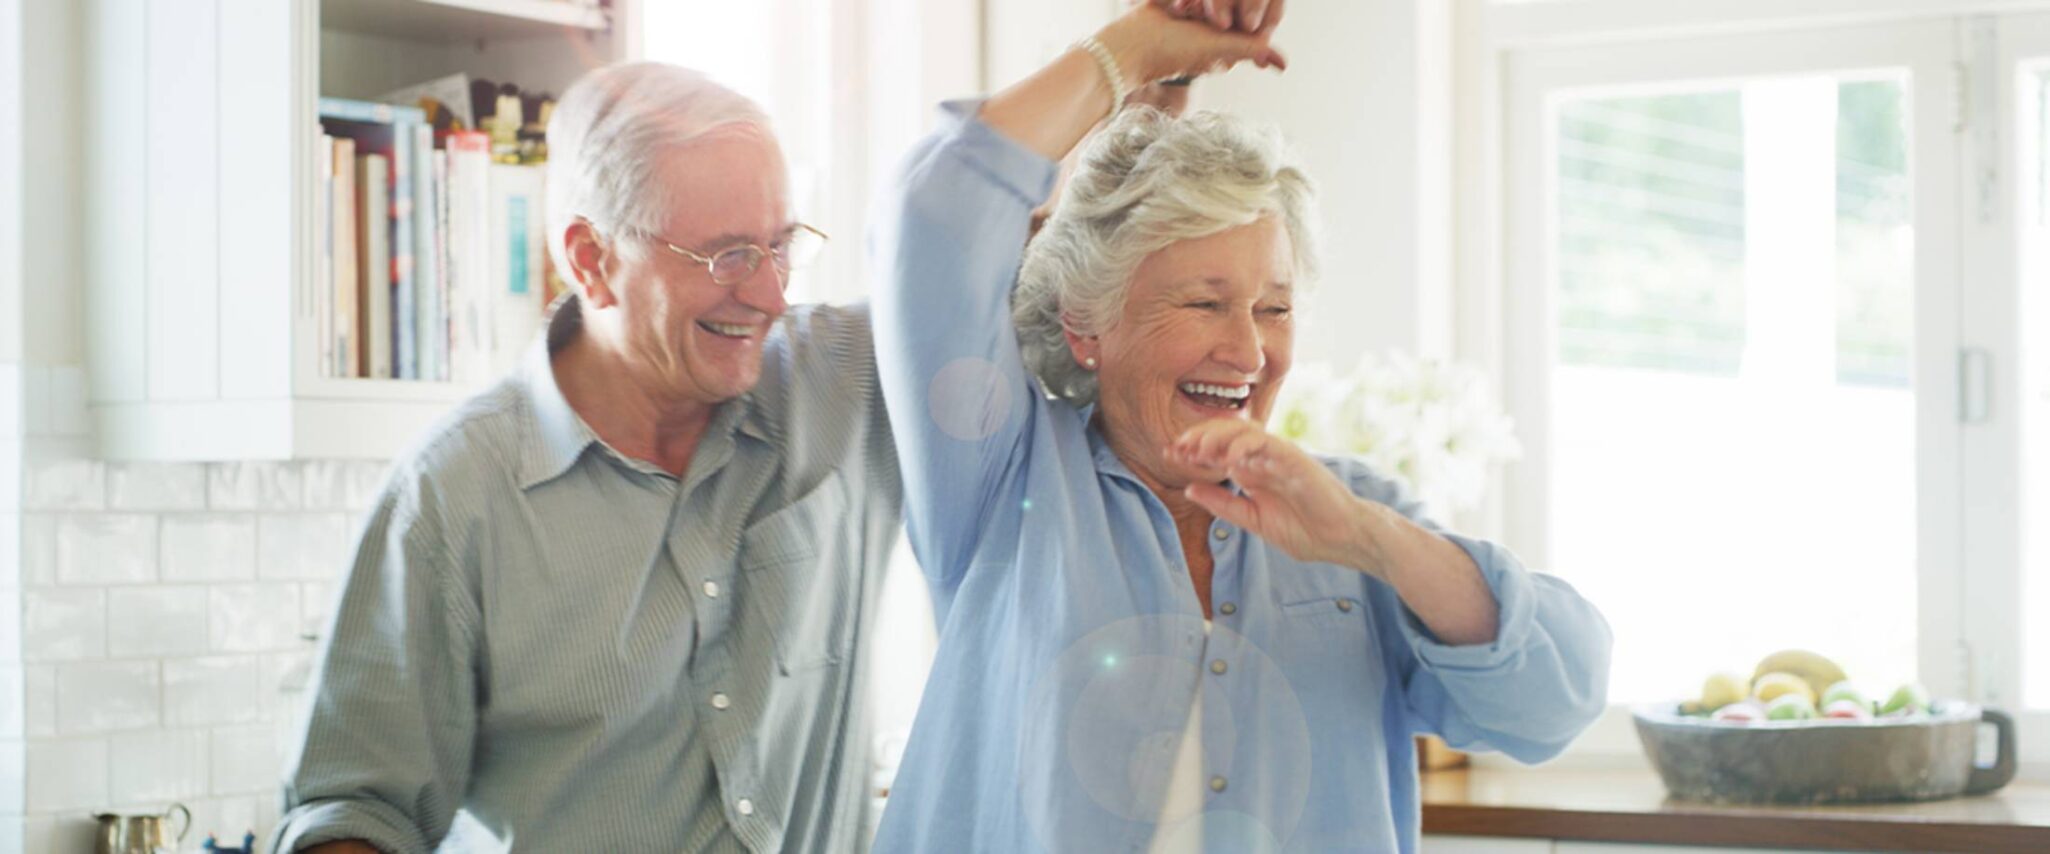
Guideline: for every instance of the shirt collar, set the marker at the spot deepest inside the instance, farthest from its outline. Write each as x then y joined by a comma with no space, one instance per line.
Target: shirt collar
1107,460
559,436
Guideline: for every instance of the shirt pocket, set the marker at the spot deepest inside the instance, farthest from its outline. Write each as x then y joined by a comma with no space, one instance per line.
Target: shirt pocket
797,587
1315,598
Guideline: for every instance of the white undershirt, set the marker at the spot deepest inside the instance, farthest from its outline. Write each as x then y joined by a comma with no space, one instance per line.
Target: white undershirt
1179,830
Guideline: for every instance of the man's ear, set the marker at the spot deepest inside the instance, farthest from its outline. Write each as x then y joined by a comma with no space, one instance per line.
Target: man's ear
587,252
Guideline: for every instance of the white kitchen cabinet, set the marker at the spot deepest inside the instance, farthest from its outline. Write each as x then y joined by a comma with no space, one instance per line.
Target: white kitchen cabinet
200,194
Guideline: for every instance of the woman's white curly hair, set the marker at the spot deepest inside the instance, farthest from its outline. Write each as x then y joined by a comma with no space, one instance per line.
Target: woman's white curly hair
1145,181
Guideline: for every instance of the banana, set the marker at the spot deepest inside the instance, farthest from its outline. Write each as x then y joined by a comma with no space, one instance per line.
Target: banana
1775,685
1820,673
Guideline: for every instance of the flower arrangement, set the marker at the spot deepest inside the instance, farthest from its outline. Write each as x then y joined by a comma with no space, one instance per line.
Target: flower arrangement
1432,425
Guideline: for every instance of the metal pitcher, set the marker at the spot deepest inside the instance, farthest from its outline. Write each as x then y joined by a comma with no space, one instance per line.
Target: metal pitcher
139,834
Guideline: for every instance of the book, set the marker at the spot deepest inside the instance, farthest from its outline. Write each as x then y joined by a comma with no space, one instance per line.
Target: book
446,275
518,256
469,198
426,259
369,111
374,322
343,288
323,253
405,356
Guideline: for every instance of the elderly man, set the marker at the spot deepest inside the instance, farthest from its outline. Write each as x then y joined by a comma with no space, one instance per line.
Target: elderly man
619,601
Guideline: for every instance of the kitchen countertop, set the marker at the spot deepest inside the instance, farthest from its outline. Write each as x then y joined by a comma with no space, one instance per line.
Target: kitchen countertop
1630,805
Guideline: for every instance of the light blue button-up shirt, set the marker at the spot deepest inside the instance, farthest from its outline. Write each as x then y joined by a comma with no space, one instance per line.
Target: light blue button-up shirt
1072,645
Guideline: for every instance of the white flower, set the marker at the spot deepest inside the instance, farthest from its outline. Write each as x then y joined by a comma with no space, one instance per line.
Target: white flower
1431,425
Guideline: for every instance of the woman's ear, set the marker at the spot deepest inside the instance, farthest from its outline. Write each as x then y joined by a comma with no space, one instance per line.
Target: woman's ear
1084,347
587,253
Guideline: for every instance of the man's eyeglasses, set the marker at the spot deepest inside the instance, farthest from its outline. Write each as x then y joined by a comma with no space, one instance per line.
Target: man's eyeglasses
796,247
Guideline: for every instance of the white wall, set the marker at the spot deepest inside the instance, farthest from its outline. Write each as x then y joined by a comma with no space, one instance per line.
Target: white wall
1367,101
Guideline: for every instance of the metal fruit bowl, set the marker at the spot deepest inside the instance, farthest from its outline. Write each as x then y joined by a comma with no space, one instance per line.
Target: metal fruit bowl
1825,761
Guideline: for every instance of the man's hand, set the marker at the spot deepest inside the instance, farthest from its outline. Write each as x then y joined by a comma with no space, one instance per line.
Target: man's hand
1249,16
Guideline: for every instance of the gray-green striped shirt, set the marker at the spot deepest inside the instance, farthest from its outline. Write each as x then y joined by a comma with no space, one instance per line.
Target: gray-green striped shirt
582,652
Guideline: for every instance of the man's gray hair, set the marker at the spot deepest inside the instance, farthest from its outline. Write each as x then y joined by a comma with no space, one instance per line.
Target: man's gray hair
1148,180
606,137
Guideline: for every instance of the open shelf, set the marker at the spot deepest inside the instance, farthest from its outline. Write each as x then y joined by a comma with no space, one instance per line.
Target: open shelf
455,21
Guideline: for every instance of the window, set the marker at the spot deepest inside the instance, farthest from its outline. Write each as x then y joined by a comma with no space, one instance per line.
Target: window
1732,413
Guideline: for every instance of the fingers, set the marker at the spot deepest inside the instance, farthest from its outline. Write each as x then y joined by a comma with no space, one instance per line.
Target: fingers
1204,443
1252,15
1269,18
1222,503
1244,448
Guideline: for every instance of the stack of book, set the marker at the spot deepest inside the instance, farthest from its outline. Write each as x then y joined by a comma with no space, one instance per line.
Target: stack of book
432,258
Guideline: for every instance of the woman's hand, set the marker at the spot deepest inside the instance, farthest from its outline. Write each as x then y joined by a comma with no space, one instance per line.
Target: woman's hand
1285,496
1151,43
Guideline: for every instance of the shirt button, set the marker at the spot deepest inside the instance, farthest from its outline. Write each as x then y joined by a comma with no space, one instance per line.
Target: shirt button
1217,784
1219,532
1227,609
1218,667
744,806
712,589
721,701
1345,605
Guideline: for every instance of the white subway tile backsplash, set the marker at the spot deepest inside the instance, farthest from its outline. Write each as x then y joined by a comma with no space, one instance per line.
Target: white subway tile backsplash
253,617
12,755
38,549
253,486
13,490
104,696
365,481
10,551
13,706
10,628
65,484
324,485
106,548
67,774
316,604
209,547
13,388
159,766
310,546
287,678
245,760
156,486
62,833
39,707
228,818
63,625
212,690
161,621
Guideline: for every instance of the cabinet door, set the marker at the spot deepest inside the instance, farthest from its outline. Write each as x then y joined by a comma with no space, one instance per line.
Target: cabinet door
1484,845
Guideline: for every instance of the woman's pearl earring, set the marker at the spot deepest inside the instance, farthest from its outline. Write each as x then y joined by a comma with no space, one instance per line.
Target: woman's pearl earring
1089,362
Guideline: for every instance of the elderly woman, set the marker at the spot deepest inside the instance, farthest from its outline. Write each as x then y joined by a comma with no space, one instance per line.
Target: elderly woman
1164,629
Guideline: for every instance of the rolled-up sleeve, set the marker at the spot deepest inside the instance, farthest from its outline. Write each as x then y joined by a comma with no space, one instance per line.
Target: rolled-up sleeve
946,247
1530,691
384,754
